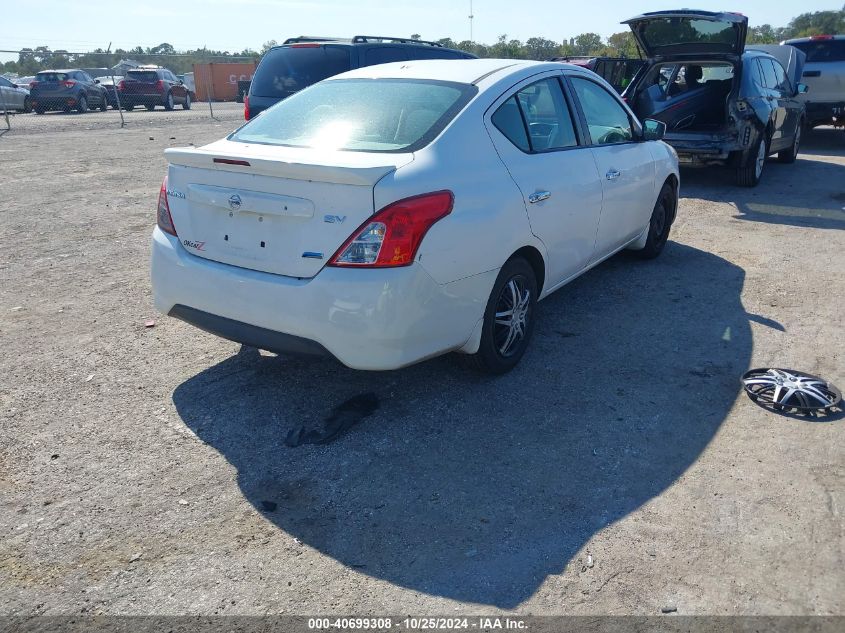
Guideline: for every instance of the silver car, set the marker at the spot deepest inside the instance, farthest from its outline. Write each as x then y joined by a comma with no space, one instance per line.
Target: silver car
824,74
13,97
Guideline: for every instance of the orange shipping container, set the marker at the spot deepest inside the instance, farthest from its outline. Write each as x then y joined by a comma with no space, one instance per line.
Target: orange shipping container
219,81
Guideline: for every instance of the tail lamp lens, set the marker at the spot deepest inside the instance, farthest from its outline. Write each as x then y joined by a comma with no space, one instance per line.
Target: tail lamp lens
163,217
246,107
392,236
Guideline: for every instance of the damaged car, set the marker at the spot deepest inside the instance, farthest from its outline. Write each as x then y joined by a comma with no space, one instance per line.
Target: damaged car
722,103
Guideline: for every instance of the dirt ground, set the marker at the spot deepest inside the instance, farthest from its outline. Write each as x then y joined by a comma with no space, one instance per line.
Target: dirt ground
618,470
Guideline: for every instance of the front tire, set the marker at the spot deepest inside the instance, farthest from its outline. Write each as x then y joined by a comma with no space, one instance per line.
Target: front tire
104,103
508,319
748,175
660,223
187,104
27,105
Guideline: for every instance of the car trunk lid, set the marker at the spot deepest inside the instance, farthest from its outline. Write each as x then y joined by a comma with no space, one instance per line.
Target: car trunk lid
279,210
684,32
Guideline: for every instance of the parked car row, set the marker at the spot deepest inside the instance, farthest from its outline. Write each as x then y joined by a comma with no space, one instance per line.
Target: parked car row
74,89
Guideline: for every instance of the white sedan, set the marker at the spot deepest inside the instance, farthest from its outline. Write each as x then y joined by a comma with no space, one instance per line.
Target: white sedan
401,211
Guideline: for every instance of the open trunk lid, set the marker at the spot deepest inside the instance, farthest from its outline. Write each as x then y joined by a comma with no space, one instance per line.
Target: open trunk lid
279,210
687,32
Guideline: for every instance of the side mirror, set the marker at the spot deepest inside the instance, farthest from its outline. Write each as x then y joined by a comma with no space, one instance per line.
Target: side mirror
653,130
802,89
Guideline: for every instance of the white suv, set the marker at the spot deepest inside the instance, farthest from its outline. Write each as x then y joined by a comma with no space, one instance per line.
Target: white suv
824,74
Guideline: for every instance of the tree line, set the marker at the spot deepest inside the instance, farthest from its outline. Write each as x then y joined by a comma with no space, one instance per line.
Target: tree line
621,44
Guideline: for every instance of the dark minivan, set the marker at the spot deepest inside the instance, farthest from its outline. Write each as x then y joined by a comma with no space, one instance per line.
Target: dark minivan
723,103
302,61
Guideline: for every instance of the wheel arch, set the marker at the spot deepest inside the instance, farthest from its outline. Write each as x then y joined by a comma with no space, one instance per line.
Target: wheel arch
535,259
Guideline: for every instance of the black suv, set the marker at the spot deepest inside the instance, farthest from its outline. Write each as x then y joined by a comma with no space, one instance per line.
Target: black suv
302,61
723,103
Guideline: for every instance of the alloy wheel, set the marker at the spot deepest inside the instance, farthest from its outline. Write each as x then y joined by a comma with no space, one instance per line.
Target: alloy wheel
512,314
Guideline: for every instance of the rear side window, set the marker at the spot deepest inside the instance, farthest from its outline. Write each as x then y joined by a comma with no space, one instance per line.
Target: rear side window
541,120
769,74
384,55
289,69
606,118
383,115
823,50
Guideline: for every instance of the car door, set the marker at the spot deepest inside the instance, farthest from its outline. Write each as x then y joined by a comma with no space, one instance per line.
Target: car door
625,164
533,129
778,139
791,107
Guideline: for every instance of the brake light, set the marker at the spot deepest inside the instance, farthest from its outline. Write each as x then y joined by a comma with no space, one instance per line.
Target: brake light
70,83
32,84
163,217
821,37
246,107
121,85
392,236
305,45
160,85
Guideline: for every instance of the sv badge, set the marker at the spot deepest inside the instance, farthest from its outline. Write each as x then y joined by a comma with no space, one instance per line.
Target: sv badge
334,219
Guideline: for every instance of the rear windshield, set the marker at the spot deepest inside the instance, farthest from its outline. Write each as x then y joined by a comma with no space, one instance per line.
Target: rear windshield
142,75
383,115
823,50
289,69
51,77
672,31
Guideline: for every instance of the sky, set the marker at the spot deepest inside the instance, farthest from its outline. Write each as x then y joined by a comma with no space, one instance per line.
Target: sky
234,25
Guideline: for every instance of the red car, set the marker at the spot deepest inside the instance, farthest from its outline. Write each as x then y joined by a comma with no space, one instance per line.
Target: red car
152,86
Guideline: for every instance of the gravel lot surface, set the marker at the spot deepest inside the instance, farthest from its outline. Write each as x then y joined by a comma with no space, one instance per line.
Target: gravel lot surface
619,469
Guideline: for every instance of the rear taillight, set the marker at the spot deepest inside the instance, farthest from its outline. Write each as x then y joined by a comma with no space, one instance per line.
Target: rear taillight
392,236
121,85
70,83
821,37
246,107
160,85
163,217
32,84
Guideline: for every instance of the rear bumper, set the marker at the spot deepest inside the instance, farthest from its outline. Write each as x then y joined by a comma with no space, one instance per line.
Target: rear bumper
368,319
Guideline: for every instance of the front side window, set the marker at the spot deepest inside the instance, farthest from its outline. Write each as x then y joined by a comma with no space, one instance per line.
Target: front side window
606,118
782,83
382,115
537,118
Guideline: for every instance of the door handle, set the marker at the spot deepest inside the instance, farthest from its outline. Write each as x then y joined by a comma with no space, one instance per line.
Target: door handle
613,174
539,196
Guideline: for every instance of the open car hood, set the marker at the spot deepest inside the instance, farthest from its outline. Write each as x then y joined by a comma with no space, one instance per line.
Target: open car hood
688,32
791,58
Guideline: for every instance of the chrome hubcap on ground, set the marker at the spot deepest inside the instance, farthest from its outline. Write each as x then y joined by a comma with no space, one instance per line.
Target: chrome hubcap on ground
761,159
787,390
512,313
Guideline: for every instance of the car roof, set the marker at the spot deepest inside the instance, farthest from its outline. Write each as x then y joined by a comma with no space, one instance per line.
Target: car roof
466,71
814,38
61,70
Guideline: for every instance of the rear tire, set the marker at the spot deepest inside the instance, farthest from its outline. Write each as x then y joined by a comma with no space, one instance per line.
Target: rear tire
168,101
27,105
187,104
151,107
789,155
40,110
660,223
127,107
508,319
82,104
748,175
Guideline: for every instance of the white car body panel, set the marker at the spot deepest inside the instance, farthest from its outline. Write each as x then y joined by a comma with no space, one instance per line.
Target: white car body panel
387,318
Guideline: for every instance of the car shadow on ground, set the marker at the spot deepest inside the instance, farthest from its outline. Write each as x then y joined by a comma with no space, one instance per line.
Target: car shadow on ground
774,200
476,488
